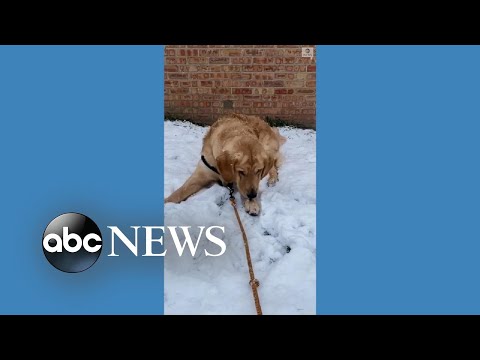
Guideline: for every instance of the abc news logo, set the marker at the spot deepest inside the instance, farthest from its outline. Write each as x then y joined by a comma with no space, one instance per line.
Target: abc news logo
72,242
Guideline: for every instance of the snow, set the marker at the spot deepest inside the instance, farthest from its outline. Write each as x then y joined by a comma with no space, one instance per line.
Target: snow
282,239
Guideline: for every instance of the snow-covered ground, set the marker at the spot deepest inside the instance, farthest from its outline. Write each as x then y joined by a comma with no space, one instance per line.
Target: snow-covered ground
282,238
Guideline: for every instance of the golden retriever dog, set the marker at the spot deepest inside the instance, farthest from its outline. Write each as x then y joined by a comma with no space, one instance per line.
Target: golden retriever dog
238,150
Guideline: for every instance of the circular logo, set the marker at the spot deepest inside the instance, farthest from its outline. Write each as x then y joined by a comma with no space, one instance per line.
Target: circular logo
72,242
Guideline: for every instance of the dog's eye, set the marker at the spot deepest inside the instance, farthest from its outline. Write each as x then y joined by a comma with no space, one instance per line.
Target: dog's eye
258,172
242,173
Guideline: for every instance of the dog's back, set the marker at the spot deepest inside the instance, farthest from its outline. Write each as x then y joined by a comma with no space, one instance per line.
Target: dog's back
230,126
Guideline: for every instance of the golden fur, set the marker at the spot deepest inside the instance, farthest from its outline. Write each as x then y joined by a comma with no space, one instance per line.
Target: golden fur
244,149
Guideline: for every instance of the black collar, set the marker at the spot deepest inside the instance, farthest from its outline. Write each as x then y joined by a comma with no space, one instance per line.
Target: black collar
213,168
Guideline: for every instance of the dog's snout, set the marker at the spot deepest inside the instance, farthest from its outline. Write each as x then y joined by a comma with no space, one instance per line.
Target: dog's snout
252,194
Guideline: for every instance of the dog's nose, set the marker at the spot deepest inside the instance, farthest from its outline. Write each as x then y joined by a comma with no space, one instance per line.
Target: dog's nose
252,194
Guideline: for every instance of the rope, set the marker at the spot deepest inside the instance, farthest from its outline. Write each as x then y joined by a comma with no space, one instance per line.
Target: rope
254,283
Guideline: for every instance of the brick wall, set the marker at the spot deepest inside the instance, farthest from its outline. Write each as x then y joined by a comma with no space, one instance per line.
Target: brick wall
275,81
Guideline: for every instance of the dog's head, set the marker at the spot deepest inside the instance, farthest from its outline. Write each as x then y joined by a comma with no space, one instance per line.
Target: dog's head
245,165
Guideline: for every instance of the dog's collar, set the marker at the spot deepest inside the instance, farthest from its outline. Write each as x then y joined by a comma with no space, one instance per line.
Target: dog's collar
213,168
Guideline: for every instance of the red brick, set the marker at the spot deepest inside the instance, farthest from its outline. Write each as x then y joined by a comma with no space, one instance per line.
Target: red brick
205,104
169,52
264,60
305,91
221,91
274,68
223,111
252,83
209,68
274,52
262,104
311,76
201,90
304,60
284,76
311,83
295,68
209,52
293,52
266,91
231,52
286,60
252,97
206,83
175,60
219,60
241,60
239,83
252,68
183,103
177,76
273,83
283,91
311,68
222,83
253,52
273,97
274,110
295,83
197,60
170,68
199,75
267,76
221,75
241,91
235,68
243,104
241,76
179,90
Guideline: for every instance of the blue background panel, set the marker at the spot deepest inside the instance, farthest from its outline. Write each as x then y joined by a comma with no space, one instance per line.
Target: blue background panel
81,131
398,179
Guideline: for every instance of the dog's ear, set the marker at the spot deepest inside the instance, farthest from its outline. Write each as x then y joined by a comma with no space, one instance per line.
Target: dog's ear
269,161
226,167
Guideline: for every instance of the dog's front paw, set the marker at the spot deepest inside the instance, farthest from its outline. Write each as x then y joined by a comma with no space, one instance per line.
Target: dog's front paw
272,180
252,207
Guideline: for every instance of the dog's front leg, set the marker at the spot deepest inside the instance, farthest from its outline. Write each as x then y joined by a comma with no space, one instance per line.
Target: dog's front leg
201,178
252,206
